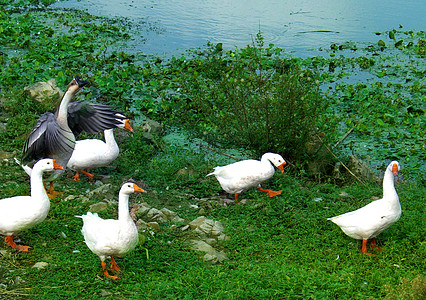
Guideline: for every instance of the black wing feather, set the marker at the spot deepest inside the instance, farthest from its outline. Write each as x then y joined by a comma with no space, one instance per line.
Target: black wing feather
46,139
92,117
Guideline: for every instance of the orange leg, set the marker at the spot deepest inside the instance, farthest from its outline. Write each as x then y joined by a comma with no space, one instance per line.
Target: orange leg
269,192
52,193
114,265
76,177
374,245
364,247
9,241
106,272
236,198
87,174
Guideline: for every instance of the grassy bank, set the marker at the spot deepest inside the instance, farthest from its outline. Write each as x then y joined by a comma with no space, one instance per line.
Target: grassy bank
277,248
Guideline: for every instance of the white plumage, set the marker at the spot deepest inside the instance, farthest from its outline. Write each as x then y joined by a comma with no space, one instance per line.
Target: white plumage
240,176
369,221
94,153
53,136
112,237
23,212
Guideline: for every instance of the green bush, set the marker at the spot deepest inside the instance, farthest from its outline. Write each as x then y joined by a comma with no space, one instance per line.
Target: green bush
250,98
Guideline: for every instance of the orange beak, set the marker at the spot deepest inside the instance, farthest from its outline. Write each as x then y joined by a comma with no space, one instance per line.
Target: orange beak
57,166
127,125
138,189
281,167
395,169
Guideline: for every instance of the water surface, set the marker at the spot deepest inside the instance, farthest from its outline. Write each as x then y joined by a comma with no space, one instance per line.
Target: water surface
298,26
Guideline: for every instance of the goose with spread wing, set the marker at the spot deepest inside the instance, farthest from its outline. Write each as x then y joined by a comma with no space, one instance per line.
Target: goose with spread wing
94,153
54,134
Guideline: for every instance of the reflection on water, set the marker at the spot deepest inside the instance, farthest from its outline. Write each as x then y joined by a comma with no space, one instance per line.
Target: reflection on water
295,25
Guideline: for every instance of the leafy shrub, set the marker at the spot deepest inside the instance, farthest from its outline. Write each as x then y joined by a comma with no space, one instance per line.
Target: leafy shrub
251,98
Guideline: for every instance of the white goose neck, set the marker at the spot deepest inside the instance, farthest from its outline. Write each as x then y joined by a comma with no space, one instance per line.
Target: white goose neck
265,160
389,190
62,116
123,207
109,139
38,191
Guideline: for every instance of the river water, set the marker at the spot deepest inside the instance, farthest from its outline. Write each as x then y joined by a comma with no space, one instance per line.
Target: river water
300,27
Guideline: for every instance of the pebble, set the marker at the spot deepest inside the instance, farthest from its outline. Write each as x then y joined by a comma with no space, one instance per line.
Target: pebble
40,265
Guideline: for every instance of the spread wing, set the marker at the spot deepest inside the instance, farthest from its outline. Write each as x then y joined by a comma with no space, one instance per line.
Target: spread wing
92,117
46,139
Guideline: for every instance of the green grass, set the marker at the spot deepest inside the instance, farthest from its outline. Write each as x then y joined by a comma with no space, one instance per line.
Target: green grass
279,248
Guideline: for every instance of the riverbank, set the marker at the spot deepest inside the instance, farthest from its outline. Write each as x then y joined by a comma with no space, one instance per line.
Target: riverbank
274,248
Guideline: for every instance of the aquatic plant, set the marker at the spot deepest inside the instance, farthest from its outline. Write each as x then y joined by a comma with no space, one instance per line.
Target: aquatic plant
251,98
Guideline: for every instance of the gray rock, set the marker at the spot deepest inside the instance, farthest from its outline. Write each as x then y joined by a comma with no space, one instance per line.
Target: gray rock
152,127
42,91
156,215
217,229
98,207
210,241
142,210
70,198
105,293
168,213
200,233
154,225
202,246
223,237
141,225
84,199
209,227
101,190
197,222
212,255
40,265
217,257
361,169
177,219
184,227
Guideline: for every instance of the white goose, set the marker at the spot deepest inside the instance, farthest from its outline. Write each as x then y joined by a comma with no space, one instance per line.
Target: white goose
112,237
369,221
54,135
94,153
23,212
240,176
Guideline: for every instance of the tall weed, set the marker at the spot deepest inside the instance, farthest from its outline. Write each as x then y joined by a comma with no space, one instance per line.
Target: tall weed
250,98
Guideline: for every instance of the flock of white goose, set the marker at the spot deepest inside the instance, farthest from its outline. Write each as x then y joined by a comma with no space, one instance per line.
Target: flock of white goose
51,147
